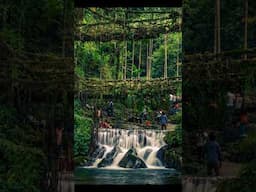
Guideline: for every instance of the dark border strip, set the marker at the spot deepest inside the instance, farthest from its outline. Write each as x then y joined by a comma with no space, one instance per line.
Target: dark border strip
128,3
131,188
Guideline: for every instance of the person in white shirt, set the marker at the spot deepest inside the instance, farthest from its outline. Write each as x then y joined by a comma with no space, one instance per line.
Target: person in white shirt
238,101
230,106
230,99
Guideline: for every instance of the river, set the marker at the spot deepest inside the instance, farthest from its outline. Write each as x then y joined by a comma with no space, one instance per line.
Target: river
105,176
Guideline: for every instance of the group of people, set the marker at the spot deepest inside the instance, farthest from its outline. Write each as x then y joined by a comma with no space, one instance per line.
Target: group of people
174,104
174,108
160,117
109,112
208,148
235,107
105,124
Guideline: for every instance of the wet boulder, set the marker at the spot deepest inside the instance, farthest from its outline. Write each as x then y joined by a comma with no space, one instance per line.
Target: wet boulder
147,153
170,157
130,160
97,154
161,153
108,160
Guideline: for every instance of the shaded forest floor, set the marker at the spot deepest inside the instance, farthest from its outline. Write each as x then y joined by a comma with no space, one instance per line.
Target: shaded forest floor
233,149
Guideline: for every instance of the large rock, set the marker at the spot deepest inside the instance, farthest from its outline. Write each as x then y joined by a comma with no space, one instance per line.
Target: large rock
97,154
130,160
108,160
161,153
173,160
170,158
147,152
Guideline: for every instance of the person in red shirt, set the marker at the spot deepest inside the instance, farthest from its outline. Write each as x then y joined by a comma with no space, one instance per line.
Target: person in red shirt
105,124
148,123
176,106
243,123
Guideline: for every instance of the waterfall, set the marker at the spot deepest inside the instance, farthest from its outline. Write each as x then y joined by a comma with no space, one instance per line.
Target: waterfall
117,143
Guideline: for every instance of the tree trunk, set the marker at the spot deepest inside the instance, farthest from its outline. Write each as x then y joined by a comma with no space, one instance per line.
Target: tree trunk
218,25
147,67
125,47
64,28
117,61
121,59
133,47
165,56
68,38
139,61
125,60
94,131
4,17
177,64
101,66
245,25
215,30
150,57
52,146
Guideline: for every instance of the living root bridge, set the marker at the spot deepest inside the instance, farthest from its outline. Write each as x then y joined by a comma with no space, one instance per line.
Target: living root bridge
105,87
224,67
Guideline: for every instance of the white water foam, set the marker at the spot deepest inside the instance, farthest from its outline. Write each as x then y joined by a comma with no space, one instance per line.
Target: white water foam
146,143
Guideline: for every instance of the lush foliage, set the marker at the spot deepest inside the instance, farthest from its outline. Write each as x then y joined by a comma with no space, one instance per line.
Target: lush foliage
198,25
174,137
174,53
82,132
22,161
177,118
34,26
241,151
106,60
92,61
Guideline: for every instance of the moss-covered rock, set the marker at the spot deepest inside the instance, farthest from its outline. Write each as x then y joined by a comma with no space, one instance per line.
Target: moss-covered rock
130,160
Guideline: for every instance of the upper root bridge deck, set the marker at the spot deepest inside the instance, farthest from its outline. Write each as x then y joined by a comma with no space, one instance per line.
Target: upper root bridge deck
95,86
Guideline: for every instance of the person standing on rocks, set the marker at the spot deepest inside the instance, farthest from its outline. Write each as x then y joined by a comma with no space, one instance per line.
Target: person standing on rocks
212,153
110,108
163,121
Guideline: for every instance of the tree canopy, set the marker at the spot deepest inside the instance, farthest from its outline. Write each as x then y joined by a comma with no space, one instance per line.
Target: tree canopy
120,43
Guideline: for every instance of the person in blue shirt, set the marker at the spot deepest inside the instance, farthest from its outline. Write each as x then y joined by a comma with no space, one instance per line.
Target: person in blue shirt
163,121
110,108
212,153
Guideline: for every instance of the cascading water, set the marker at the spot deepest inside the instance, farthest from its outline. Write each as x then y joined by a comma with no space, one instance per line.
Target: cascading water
131,148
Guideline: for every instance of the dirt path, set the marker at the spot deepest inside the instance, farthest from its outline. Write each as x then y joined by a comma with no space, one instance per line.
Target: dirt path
170,127
230,169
